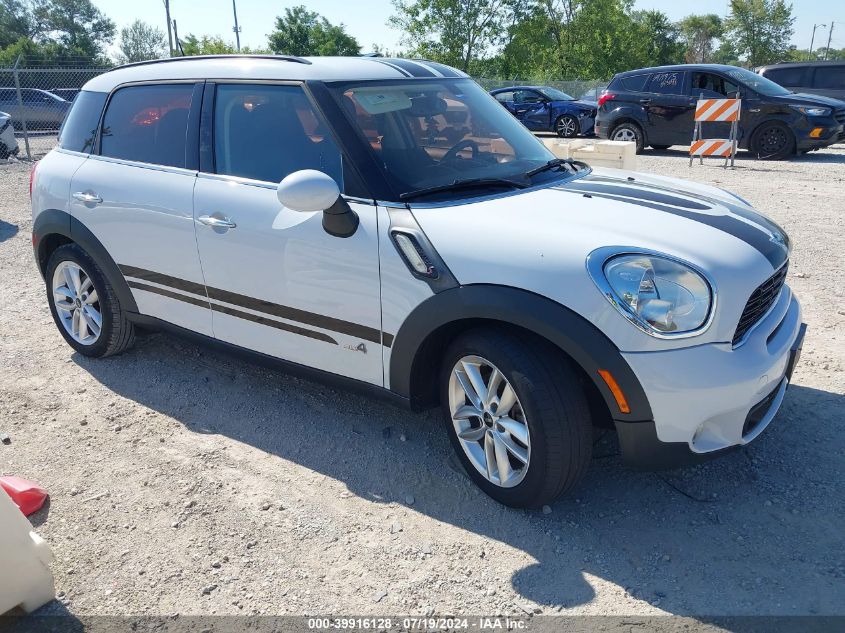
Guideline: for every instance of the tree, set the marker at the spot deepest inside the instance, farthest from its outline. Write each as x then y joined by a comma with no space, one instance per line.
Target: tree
455,32
206,45
141,41
77,26
759,31
301,32
660,39
699,33
16,21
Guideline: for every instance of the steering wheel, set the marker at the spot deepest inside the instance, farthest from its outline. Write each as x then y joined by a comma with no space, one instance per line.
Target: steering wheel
452,154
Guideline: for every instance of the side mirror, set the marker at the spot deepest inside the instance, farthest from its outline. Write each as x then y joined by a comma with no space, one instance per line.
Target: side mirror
309,191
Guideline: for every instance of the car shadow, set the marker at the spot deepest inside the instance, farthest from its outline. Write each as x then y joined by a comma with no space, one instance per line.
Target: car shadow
756,532
7,230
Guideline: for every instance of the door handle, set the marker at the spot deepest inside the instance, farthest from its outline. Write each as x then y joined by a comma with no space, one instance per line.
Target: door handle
87,197
216,222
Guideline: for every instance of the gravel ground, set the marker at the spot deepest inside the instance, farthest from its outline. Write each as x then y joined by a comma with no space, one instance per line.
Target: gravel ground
184,481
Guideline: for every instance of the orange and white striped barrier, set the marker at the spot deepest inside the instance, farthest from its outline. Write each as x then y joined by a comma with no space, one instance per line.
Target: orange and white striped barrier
717,110
712,147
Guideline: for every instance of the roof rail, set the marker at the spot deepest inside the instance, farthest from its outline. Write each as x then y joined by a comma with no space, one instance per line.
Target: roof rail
281,58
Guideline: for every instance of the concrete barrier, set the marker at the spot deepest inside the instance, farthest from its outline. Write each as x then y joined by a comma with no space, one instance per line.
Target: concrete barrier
618,154
25,577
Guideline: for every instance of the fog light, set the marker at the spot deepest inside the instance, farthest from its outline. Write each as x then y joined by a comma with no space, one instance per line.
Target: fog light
817,132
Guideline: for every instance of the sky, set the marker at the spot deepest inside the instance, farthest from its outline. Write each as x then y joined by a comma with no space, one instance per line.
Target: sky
366,19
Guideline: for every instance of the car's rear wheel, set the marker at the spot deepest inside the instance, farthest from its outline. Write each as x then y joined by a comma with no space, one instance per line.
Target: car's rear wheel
84,305
567,126
773,141
629,132
516,415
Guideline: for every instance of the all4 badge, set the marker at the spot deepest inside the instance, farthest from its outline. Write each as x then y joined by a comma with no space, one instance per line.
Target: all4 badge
360,347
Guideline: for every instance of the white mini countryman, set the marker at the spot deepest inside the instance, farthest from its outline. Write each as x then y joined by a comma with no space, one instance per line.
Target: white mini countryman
387,224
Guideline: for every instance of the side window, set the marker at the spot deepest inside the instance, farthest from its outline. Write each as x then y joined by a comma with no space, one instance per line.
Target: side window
668,83
711,85
634,83
80,126
528,96
148,124
266,132
787,76
830,77
504,96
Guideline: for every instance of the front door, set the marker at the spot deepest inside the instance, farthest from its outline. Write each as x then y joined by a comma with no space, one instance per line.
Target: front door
532,109
277,282
136,197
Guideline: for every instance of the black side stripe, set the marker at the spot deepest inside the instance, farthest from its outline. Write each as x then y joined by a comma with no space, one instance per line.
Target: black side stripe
164,280
167,293
752,234
258,305
276,324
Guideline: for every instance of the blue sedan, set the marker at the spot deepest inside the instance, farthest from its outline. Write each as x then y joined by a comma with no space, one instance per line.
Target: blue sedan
544,109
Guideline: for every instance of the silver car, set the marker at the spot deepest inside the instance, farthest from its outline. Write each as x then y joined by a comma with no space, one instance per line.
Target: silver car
42,110
8,142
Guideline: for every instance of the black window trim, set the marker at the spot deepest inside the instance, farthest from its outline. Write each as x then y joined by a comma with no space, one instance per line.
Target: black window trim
191,136
207,166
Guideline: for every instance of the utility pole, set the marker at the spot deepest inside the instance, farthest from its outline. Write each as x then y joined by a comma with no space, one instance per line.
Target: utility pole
237,29
813,39
829,35
169,29
179,48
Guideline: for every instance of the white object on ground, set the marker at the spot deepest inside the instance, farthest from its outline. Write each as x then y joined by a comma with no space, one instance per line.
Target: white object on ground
618,154
25,577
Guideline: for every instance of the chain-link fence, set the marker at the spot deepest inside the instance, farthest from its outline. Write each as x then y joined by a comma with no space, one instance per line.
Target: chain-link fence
38,98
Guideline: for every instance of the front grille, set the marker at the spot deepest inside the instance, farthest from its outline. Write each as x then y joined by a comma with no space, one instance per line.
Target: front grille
759,302
839,115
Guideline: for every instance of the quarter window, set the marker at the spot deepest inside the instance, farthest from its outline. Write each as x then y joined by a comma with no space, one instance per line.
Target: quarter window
80,126
830,77
668,83
266,132
148,124
505,96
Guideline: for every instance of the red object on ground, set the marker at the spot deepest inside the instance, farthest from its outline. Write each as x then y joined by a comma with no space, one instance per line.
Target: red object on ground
27,495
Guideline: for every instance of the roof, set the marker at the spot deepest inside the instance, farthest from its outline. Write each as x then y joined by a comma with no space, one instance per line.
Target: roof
679,67
818,62
271,67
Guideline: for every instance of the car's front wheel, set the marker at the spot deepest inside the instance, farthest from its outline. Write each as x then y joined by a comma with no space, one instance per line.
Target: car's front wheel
629,132
567,126
773,140
516,415
84,304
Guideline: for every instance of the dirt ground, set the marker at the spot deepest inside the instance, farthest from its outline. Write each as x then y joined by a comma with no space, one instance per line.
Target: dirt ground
184,481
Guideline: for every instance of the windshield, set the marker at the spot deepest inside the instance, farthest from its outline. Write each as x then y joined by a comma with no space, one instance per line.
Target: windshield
556,95
427,134
757,82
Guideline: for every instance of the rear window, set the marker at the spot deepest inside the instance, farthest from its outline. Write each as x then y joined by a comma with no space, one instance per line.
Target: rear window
80,126
830,77
634,83
787,77
148,124
668,83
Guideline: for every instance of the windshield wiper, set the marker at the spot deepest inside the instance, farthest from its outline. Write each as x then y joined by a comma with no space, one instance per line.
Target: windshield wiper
470,183
555,162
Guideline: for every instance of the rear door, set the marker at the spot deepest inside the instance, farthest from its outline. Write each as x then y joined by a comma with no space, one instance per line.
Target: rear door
278,283
136,196
669,108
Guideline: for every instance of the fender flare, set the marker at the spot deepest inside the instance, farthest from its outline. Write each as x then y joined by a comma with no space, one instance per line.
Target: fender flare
590,348
55,222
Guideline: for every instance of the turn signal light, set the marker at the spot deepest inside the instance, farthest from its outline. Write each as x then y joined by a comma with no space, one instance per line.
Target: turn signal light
817,132
606,97
616,390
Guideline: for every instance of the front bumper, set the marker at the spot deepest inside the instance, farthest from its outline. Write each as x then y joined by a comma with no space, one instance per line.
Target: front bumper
713,398
818,132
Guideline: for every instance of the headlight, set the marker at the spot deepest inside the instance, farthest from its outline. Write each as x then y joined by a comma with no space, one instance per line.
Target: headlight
812,110
662,296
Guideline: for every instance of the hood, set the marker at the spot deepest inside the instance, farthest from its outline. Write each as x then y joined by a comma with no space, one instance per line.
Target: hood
802,98
539,241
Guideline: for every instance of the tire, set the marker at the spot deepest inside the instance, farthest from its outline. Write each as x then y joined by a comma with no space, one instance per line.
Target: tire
567,126
629,132
116,333
549,401
660,147
772,140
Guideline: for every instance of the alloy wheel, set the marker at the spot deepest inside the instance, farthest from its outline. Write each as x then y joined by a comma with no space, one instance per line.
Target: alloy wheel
77,304
565,126
489,421
624,134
